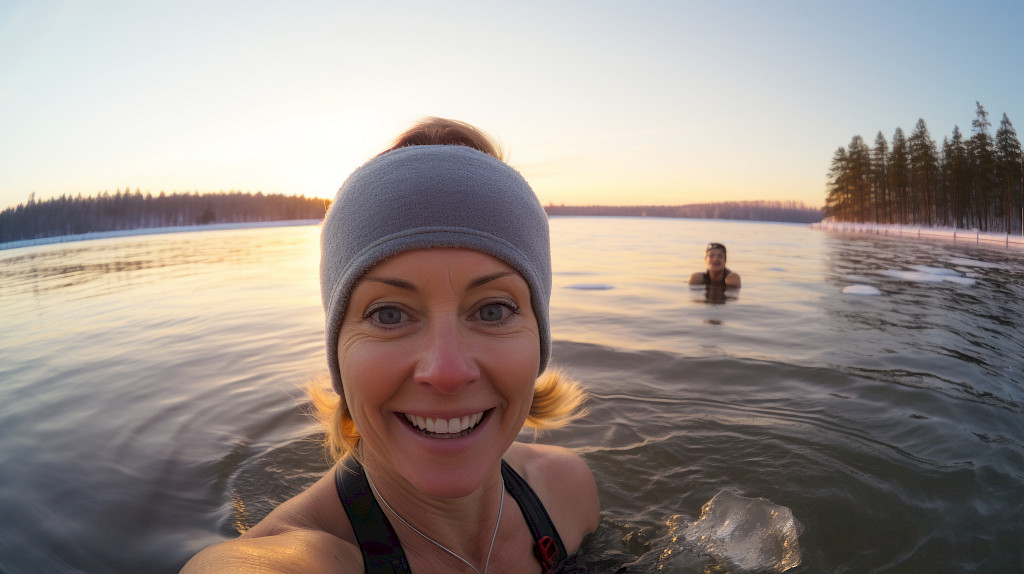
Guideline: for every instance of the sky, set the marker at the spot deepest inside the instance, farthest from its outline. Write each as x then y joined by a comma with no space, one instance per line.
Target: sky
597,102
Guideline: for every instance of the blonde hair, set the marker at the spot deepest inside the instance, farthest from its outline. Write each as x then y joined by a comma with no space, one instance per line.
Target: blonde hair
443,131
558,399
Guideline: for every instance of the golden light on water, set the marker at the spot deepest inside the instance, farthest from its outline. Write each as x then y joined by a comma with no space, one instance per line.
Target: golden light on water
240,518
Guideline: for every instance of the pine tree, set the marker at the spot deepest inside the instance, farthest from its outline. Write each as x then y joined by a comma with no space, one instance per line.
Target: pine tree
837,201
859,174
924,169
982,164
959,181
899,175
1010,173
880,179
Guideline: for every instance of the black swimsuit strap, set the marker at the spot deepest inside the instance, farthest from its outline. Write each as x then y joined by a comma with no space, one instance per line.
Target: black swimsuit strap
707,277
382,552
549,549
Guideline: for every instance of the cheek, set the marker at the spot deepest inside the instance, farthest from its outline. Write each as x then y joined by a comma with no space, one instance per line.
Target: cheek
369,374
513,365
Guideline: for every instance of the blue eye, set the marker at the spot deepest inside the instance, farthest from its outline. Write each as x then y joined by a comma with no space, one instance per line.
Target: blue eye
492,312
388,316
497,312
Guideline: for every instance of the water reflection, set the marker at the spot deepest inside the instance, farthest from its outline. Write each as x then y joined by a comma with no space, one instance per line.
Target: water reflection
58,267
718,295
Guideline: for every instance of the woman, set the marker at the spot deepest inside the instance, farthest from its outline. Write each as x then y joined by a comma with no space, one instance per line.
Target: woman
717,274
435,278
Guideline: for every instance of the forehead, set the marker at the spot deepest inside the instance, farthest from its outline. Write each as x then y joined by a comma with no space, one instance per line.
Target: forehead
715,250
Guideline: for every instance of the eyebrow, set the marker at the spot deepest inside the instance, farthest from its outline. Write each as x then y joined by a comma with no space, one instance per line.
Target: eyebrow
393,282
488,278
402,284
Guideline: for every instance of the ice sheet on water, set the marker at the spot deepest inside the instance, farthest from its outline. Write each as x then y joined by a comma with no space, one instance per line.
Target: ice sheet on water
751,534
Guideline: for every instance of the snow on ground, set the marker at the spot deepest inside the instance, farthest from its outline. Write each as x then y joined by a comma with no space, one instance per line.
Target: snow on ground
153,231
922,232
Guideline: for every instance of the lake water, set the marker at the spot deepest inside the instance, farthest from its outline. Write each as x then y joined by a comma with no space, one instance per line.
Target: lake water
150,400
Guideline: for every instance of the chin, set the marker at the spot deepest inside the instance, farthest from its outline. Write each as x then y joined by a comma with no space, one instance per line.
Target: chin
448,481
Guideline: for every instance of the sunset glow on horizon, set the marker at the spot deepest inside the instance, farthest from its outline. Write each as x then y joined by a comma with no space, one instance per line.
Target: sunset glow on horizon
656,103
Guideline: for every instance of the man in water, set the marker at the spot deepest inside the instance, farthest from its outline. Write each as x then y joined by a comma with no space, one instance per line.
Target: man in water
717,274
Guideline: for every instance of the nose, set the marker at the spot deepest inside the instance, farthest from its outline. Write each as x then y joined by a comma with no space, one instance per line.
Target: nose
446,361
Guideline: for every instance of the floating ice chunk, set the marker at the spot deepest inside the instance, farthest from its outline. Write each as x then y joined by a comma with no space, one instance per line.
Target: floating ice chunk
591,286
929,276
962,261
751,534
918,276
961,280
861,290
936,270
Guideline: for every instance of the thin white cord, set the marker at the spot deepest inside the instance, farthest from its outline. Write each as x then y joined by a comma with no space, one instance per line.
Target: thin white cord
501,505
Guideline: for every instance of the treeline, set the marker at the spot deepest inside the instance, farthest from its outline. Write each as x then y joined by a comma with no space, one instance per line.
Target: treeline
974,183
134,210
783,211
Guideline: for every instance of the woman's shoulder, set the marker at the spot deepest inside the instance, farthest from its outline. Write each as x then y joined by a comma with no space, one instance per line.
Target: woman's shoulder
302,534
697,278
732,279
541,460
295,551
565,485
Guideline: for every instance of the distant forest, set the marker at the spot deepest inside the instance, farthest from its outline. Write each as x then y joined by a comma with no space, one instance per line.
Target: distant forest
126,209
783,211
972,183
134,210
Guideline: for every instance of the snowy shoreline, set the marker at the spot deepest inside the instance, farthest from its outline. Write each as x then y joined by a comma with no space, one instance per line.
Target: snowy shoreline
153,231
921,232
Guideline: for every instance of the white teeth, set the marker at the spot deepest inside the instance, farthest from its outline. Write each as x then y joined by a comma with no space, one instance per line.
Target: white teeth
445,426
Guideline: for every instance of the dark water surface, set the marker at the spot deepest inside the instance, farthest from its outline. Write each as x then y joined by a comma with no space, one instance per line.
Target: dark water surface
150,399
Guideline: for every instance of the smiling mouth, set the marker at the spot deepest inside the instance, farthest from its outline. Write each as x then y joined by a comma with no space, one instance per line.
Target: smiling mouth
445,428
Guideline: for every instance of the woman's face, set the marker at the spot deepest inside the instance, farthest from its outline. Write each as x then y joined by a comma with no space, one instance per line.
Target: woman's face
439,350
715,259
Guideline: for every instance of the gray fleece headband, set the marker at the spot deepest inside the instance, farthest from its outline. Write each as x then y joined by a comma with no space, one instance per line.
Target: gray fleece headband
432,196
